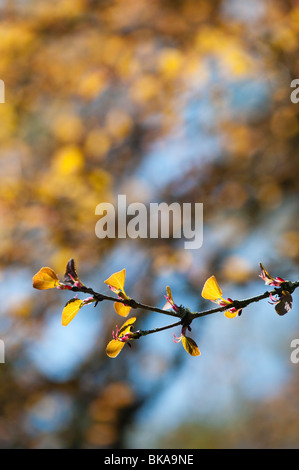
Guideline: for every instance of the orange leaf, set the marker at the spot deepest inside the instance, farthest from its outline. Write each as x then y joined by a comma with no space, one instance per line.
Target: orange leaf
46,278
70,310
229,314
114,347
169,293
121,309
170,301
126,327
211,289
117,280
190,346
266,276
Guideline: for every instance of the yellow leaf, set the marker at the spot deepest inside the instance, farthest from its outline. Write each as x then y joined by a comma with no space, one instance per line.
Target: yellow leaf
170,301
169,293
266,276
114,347
229,314
46,278
190,346
126,327
70,310
211,289
117,280
121,309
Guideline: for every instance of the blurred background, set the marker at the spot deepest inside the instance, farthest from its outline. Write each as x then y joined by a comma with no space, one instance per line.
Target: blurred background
161,100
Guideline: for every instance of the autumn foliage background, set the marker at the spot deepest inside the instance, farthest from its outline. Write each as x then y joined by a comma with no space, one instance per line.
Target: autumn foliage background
185,101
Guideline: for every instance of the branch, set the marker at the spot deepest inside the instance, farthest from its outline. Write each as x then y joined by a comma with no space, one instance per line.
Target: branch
241,304
281,297
129,302
139,333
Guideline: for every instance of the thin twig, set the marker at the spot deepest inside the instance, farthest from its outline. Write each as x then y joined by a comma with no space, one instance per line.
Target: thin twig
288,286
130,302
139,333
185,315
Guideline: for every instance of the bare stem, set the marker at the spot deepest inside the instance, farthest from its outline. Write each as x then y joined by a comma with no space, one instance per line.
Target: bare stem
139,333
289,286
130,302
